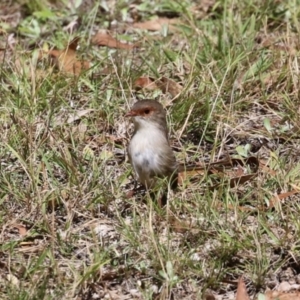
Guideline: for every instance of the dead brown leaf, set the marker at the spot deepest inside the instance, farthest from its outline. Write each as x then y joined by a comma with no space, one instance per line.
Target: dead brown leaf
187,173
241,293
169,86
232,167
22,229
165,84
242,179
263,166
237,170
157,24
146,83
105,39
282,196
66,60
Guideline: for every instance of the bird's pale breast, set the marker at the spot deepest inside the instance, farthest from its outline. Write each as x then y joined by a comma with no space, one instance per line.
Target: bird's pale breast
148,151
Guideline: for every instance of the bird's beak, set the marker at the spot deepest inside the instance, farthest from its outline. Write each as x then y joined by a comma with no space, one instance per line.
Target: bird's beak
131,113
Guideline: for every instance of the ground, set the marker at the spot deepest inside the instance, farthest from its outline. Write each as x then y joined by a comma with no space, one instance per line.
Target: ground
227,73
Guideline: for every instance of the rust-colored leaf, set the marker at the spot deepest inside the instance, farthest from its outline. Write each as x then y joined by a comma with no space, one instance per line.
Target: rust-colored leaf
188,172
282,196
22,229
105,39
157,24
243,168
165,84
263,166
145,83
241,293
169,86
240,180
66,60
236,170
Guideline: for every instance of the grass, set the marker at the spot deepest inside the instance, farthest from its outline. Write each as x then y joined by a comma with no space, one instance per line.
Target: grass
67,228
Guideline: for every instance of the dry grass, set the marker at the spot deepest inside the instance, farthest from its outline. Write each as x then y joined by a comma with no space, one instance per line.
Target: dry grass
68,230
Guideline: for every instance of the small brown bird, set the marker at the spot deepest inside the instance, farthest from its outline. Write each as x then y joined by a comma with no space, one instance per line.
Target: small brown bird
149,151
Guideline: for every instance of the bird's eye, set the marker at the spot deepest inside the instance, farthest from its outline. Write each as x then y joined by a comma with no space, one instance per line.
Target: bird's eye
147,111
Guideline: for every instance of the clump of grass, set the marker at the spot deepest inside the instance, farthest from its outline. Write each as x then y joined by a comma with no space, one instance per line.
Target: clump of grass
68,229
